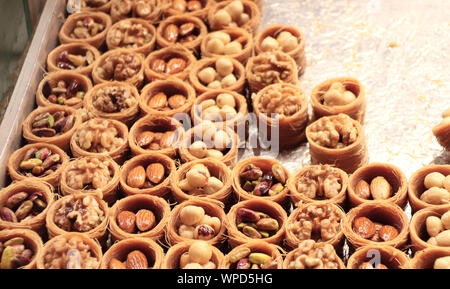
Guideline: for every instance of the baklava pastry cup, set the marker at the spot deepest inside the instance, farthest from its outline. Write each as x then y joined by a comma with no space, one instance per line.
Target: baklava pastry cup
270,170
91,175
174,254
388,256
282,108
380,212
240,41
167,97
172,30
129,176
106,68
268,208
418,228
76,57
65,88
212,208
101,137
207,63
250,8
200,12
120,250
295,49
20,159
31,241
337,140
96,6
238,122
42,195
257,246
228,156
158,206
331,98
55,251
319,222
313,255
52,124
149,10
157,126
442,133
426,258
270,68
173,61
392,174
85,27
135,34
79,213
304,183
113,100
416,188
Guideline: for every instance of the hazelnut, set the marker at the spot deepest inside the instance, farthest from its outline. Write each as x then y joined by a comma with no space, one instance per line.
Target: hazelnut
225,38
200,252
224,66
207,75
222,18
225,99
198,149
235,9
191,215
233,47
213,186
269,44
434,226
434,179
215,85
228,81
215,46
221,140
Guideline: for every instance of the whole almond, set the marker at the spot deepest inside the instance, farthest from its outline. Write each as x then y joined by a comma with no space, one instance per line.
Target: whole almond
159,66
137,260
175,65
167,139
176,101
364,227
126,221
171,33
388,233
116,264
145,138
194,5
179,5
136,177
145,220
155,173
158,101
380,189
362,190
186,29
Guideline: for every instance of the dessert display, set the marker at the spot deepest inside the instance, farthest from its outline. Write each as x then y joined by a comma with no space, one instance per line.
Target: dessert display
233,42
135,34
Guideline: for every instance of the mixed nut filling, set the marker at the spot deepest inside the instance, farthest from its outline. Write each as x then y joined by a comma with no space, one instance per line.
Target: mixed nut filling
162,101
334,132
181,33
64,92
320,182
374,231
245,258
280,100
438,229
312,255
86,28
222,75
79,214
199,256
99,136
337,95
136,223
220,109
232,15
262,183
379,189
120,66
195,223
15,253
68,60
438,189
209,141
255,224
198,181
23,206
170,65
113,99
88,174
53,124
129,34
282,40
155,141
187,5
321,223
134,260
70,253
221,43
272,67
39,162
146,178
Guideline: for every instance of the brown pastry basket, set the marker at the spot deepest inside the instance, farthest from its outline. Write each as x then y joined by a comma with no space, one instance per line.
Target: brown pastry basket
389,256
31,240
172,257
76,48
249,7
